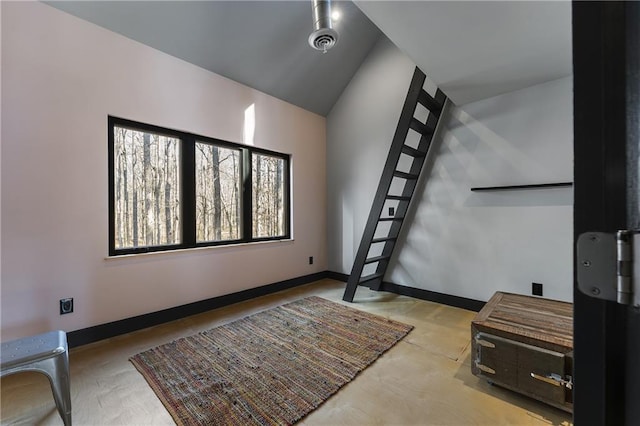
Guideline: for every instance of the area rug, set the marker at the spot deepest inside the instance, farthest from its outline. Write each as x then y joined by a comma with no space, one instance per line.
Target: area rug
270,368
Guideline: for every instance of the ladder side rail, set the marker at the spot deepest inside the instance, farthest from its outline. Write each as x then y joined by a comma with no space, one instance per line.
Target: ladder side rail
402,129
441,99
432,103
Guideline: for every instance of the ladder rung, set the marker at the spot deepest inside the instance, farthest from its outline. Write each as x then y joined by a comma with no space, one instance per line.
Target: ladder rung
405,175
376,259
431,104
412,151
390,219
370,278
382,240
420,127
398,197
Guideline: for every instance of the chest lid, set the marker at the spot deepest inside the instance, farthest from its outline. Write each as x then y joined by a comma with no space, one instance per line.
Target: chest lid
529,319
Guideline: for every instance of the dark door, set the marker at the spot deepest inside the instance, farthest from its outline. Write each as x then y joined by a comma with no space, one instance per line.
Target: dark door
606,67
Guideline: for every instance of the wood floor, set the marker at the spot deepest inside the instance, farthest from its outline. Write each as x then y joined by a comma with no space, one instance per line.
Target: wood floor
424,380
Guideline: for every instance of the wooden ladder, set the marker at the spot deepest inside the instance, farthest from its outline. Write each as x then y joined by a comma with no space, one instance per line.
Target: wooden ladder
408,179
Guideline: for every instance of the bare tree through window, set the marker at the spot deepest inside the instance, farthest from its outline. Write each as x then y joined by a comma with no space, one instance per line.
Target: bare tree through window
170,189
268,195
147,198
217,193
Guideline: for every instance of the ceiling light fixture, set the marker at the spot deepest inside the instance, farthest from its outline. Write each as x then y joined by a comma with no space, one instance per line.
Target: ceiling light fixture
324,37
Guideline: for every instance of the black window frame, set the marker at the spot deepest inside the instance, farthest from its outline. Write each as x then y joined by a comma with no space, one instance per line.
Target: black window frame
187,173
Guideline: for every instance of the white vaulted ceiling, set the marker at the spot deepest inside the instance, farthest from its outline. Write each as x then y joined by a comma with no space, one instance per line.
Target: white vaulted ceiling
477,49
262,44
472,50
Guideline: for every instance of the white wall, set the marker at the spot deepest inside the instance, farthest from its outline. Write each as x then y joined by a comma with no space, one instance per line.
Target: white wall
459,242
360,127
61,77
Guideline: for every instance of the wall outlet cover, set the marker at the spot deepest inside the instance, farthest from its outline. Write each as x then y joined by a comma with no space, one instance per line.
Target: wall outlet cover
536,289
66,306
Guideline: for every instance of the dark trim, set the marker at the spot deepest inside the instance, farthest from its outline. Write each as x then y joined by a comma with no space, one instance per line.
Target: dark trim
433,296
246,167
600,77
632,368
188,191
520,187
338,276
418,293
116,328
111,176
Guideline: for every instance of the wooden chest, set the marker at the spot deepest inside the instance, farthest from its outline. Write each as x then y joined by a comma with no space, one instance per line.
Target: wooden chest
525,344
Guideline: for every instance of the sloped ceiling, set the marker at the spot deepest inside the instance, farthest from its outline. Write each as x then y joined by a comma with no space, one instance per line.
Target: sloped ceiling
262,44
471,49
475,49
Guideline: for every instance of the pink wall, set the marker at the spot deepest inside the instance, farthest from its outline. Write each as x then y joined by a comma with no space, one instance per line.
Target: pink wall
61,77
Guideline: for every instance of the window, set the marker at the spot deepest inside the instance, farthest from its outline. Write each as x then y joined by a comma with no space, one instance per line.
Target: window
147,183
268,195
217,193
172,190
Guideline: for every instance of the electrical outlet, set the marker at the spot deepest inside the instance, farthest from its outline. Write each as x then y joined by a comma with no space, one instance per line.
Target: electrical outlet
310,260
536,289
66,306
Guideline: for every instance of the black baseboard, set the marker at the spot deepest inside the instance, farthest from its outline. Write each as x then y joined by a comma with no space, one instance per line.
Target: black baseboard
434,296
116,328
337,276
418,293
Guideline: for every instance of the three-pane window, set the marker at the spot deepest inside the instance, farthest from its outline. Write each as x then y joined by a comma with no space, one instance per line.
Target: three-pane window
173,190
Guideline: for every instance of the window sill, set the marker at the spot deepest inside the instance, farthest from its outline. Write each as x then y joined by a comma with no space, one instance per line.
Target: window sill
229,247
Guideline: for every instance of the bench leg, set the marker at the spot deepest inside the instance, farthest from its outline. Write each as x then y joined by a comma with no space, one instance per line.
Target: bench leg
57,371
48,354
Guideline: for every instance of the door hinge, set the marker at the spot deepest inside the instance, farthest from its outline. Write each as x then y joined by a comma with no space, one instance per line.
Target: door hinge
608,266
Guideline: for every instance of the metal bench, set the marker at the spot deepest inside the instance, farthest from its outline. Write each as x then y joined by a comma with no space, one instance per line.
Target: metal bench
47,354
